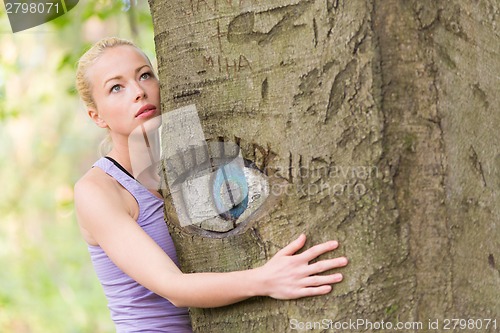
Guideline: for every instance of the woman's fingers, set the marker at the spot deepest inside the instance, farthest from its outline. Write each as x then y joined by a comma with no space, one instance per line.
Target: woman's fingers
325,265
320,280
293,247
318,250
314,291
291,275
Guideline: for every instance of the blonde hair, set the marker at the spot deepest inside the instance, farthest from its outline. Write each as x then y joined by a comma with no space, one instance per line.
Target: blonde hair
83,85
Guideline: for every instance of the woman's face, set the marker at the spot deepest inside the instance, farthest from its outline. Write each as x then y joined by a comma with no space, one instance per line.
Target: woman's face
125,90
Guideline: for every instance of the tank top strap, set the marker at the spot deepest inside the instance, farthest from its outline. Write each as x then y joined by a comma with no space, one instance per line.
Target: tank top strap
138,191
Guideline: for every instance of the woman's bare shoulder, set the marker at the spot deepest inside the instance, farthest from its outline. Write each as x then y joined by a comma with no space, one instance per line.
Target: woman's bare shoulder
99,190
99,201
94,181
92,194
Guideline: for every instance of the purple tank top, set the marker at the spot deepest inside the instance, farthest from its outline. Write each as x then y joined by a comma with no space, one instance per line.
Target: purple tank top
134,308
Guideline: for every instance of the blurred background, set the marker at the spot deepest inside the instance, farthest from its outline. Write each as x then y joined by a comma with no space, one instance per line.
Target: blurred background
47,283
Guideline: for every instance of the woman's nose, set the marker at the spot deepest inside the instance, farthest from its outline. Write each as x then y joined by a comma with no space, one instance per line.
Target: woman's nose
140,92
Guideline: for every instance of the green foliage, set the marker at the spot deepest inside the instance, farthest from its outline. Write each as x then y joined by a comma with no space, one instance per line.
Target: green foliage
47,283
391,309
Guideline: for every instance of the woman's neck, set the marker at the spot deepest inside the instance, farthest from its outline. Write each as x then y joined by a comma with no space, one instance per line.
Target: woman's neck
139,154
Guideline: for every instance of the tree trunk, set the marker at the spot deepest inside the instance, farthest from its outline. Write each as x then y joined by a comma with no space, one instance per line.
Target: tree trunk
381,117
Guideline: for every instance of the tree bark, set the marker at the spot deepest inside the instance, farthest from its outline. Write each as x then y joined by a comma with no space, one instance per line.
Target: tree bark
381,118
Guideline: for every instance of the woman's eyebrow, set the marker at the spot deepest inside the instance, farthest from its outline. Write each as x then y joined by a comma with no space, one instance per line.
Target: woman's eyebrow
119,76
111,79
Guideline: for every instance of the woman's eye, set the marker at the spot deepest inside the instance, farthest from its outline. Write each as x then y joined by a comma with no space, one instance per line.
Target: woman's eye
216,193
145,76
115,88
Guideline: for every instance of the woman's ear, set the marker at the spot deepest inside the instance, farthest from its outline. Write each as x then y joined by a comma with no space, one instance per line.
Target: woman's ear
96,119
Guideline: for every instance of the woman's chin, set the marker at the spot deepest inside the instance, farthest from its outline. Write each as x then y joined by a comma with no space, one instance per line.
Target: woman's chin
148,125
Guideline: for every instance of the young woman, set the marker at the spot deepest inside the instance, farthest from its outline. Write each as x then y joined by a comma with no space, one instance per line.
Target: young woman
121,219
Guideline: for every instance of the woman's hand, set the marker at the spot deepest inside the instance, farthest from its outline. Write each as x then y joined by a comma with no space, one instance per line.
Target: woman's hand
288,275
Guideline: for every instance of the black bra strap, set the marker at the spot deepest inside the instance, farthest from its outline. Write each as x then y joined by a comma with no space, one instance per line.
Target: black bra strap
118,165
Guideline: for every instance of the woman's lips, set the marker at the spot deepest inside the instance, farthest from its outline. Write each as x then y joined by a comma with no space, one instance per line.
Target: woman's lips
147,114
146,111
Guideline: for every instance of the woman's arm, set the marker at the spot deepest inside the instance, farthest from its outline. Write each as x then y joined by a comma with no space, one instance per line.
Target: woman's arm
102,214
284,276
